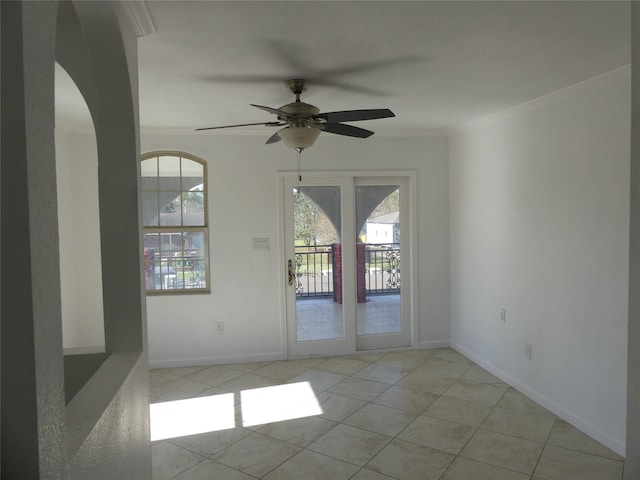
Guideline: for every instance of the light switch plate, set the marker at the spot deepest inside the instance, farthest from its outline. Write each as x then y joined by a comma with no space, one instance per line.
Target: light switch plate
261,244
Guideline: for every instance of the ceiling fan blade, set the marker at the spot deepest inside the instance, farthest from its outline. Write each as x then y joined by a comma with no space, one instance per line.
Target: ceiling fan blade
290,56
266,124
369,66
316,80
274,138
275,111
347,87
251,79
348,130
355,115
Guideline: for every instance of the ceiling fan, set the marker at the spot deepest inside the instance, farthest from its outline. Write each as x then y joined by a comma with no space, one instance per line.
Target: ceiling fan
303,122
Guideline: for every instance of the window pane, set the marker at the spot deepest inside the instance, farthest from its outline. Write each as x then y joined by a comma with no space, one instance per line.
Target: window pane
193,208
149,183
169,173
175,260
151,253
192,175
169,183
170,206
193,184
171,253
152,240
149,167
195,260
170,242
169,166
191,168
150,209
172,260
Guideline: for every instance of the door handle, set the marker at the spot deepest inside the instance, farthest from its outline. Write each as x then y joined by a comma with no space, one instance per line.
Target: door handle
292,274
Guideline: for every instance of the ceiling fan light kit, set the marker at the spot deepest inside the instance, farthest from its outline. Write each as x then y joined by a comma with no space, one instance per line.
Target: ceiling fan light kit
303,122
299,138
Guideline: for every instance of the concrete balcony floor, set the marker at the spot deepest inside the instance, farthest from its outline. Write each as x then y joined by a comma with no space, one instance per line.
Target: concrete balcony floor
322,318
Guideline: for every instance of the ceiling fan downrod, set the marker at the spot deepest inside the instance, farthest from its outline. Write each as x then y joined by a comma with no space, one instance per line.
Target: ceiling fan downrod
297,86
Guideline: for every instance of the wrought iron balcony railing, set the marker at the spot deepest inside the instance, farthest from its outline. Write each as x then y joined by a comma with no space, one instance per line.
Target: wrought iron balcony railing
316,269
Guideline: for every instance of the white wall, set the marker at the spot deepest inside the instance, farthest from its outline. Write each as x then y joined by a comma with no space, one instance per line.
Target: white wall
246,285
66,234
539,201
79,231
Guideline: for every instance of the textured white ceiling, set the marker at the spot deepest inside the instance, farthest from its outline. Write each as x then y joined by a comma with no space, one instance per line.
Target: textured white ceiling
437,65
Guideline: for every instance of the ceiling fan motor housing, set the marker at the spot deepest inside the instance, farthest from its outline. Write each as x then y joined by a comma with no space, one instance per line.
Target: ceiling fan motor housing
302,111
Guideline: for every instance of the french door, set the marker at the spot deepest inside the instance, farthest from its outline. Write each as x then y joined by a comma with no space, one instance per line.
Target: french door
347,248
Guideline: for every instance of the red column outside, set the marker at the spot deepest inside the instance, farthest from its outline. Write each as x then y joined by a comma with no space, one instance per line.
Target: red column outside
337,273
360,273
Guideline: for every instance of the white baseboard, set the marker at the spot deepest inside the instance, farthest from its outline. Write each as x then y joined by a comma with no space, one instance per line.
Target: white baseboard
561,411
433,344
222,360
263,357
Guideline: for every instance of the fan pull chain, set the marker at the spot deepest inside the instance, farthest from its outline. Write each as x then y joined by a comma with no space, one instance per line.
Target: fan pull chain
299,150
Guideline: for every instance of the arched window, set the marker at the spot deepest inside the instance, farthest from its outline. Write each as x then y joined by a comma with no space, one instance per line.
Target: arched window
174,216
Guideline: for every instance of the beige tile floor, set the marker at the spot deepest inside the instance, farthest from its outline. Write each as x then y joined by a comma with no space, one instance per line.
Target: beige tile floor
425,414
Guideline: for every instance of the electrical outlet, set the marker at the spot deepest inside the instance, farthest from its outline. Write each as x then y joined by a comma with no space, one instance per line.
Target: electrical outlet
528,351
503,315
219,327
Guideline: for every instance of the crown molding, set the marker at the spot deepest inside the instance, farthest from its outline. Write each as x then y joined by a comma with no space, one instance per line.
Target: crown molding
584,86
136,12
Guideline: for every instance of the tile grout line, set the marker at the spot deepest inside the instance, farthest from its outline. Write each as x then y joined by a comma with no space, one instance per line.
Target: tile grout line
493,407
470,436
544,447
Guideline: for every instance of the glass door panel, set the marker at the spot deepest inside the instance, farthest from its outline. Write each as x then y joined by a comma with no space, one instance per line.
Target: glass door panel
382,319
320,282
318,254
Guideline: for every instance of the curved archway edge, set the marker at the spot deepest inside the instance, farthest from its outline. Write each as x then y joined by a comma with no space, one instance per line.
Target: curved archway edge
103,431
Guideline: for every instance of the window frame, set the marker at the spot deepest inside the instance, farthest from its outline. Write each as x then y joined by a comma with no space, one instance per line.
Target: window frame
180,229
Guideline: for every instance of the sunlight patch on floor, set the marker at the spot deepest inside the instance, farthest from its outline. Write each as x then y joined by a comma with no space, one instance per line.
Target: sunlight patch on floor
191,416
212,413
278,403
